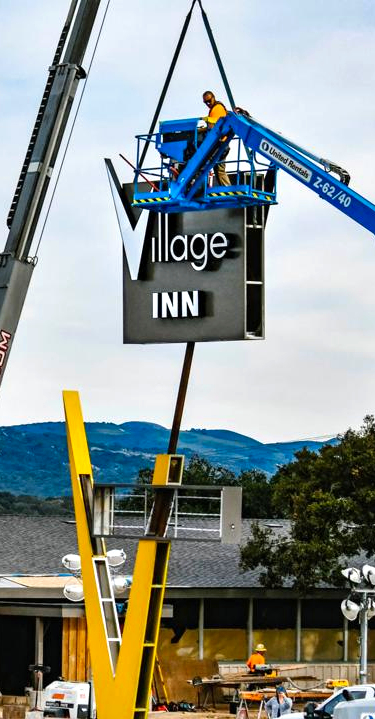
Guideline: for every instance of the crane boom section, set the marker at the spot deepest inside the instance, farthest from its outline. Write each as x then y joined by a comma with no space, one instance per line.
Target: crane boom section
16,267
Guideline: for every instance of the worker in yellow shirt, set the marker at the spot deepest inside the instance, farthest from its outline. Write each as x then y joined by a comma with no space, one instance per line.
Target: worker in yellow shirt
216,110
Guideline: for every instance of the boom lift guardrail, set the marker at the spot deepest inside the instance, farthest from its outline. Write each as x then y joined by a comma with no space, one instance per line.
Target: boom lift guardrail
177,142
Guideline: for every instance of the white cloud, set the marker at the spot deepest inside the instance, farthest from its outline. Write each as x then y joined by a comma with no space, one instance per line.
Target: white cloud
306,69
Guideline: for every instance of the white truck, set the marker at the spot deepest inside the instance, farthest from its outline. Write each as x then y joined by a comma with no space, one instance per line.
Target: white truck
325,710
357,709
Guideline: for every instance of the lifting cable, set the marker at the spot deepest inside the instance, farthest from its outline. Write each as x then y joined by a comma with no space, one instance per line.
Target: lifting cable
173,65
72,128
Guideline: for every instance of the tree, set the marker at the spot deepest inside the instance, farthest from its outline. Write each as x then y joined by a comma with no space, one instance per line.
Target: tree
256,494
329,498
200,471
256,490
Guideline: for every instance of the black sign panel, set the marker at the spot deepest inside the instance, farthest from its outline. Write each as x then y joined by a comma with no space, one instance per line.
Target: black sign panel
194,276
190,284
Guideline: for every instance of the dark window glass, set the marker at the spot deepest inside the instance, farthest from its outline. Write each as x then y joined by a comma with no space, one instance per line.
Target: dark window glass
321,614
52,647
17,652
274,614
226,613
185,616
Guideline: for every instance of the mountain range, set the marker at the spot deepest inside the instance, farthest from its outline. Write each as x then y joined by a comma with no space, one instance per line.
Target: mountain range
34,457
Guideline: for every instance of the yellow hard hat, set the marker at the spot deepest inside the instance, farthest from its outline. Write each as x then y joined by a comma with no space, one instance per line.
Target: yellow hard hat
260,648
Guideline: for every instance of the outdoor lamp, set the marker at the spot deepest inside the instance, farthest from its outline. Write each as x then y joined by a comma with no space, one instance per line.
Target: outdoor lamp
350,609
73,591
371,608
116,557
120,583
353,574
72,562
369,574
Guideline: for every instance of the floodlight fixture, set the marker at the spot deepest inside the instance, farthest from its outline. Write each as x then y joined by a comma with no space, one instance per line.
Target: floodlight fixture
353,574
120,583
73,591
371,608
72,562
116,558
350,609
369,574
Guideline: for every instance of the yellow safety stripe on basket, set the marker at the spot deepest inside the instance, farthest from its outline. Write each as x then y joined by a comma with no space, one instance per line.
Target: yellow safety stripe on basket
227,194
151,199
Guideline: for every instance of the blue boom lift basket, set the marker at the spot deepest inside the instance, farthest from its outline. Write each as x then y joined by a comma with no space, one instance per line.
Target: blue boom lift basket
182,142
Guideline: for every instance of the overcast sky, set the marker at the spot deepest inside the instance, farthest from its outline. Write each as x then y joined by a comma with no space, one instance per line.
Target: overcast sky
305,68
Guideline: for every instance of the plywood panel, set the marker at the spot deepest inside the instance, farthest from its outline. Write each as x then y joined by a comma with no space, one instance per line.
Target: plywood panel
72,674
321,645
65,648
280,643
176,674
225,644
185,648
81,649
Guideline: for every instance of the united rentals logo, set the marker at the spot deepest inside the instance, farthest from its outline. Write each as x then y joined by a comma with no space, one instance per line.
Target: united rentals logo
274,153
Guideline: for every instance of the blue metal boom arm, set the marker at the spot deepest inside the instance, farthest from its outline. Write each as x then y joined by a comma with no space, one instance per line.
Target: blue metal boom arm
298,163
186,191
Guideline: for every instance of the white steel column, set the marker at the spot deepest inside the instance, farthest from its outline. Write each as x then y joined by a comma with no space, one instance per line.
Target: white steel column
39,630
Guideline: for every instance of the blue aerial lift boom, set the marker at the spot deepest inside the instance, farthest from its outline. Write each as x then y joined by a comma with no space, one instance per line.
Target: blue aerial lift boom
188,155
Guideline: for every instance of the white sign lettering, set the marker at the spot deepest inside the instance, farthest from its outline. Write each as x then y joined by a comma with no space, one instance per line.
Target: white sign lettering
176,304
197,249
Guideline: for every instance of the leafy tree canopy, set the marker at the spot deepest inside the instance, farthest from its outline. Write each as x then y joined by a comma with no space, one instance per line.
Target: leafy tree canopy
256,488
329,498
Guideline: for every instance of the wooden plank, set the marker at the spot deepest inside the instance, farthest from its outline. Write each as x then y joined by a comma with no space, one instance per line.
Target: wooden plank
72,673
65,648
81,649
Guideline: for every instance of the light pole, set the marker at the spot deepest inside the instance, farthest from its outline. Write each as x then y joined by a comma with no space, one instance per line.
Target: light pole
360,602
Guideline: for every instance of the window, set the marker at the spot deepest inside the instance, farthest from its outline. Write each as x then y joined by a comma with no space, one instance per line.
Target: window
331,703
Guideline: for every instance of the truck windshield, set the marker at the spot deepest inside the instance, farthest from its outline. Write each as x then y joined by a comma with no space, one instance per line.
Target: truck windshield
331,703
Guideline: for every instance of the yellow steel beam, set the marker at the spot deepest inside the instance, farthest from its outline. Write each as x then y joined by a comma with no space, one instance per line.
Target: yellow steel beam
80,465
128,689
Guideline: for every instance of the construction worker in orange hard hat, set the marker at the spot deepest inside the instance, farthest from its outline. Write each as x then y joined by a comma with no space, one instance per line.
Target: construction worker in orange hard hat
257,658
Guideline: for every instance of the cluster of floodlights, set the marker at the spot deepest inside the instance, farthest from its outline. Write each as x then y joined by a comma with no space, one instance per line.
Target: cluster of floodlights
73,589
362,582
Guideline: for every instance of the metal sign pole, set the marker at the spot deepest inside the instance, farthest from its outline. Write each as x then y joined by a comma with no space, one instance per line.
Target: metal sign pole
176,424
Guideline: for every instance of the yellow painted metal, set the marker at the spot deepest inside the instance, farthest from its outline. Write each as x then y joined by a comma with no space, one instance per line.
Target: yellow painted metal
127,691
168,469
142,623
80,465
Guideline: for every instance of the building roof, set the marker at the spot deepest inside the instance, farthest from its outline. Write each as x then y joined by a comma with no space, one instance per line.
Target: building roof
34,546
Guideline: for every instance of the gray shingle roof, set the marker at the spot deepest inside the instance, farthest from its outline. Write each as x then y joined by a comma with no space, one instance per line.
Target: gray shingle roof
35,545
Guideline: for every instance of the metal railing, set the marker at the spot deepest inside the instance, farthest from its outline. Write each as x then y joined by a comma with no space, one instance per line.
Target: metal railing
198,512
